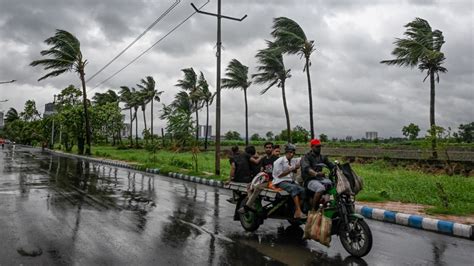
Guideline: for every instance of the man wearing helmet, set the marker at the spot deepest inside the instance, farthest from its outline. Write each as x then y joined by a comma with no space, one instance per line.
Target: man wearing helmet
311,172
283,177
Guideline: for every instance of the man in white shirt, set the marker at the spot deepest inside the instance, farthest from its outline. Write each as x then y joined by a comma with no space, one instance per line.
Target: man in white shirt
283,177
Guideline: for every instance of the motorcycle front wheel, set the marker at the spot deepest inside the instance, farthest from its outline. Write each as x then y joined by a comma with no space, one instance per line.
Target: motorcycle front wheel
358,239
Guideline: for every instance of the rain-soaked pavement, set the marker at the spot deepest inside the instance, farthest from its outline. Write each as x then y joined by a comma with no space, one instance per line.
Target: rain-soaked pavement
57,210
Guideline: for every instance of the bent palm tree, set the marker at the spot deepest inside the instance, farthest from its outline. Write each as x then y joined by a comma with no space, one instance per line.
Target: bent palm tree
66,56
422,48
148,85
126,98
292,40
12,115
190,83
272,70
237,78
207,98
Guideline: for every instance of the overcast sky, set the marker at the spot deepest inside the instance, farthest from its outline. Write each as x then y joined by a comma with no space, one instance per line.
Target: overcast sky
352,92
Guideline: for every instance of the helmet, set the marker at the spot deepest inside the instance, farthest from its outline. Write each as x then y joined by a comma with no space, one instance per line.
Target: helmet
315,142
290,147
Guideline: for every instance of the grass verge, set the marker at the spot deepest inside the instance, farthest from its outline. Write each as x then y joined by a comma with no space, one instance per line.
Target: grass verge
447,194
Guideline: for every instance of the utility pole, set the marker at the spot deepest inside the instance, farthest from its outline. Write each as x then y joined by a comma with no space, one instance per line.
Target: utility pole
52,128
218,79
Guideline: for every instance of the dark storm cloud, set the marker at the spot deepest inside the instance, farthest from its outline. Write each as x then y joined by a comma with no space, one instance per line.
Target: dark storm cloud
350,86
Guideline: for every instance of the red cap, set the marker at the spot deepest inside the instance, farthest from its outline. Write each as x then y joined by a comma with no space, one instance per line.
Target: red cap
315,142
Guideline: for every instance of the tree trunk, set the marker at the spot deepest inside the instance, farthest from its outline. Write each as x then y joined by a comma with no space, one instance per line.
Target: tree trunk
310,96
197,121
432,115
86,114
151,121
131,128
288,127
246,118
136,128
207,125
144,121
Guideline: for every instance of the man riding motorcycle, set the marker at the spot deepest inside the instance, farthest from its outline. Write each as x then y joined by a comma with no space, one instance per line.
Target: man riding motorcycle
311,172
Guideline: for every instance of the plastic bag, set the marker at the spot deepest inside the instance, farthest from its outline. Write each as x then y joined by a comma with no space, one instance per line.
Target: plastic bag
343,185
318,227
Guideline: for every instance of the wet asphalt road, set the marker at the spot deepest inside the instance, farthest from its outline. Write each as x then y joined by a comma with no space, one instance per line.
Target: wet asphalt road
56,210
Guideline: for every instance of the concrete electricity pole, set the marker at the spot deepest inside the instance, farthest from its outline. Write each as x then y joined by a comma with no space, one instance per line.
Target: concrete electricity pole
218,81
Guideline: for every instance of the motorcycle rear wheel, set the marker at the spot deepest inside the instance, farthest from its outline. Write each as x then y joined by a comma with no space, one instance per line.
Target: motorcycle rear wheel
358,240
249,220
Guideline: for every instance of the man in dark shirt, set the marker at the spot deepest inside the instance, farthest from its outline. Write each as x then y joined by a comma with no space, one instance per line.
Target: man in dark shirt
266,163
314,178
241,165
268,160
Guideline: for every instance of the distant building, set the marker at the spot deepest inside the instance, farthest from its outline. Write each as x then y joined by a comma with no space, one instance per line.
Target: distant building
348,138
371,135
48,109
202,131
1,119
125,132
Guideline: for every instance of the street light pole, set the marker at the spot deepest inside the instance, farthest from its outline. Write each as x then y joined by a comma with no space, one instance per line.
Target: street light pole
218,79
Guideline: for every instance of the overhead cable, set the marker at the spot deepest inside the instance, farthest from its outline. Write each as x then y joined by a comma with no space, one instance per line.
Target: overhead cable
136,39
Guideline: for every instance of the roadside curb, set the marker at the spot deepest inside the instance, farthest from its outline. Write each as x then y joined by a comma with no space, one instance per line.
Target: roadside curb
417,221
195,179
410,220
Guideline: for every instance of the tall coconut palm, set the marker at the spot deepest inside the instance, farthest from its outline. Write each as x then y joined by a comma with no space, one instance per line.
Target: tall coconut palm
148,86
422,48
136,101
142,98
207,97
237,78
126,98
190,83
292,39
272,71
65,55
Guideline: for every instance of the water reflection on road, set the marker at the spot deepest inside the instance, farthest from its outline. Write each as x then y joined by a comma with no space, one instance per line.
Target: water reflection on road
78,212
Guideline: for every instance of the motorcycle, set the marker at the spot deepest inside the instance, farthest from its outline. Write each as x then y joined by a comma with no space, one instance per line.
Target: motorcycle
354,233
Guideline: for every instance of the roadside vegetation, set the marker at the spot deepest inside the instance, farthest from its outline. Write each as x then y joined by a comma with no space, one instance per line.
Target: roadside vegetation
383,182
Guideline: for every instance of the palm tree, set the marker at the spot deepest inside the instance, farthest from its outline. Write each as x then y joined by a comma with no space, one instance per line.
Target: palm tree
126,98
136,101
272,70
142,98
207,97
292,39
148,86
422,48
66,56
11,115
237,78
107,97
190,83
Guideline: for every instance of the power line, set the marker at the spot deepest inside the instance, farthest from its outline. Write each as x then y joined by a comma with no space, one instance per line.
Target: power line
136,39
140,55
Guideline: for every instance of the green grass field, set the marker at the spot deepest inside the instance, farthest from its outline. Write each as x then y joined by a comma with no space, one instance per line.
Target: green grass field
383,182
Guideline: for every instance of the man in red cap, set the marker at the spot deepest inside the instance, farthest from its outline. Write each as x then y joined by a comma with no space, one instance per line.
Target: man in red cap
311,172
